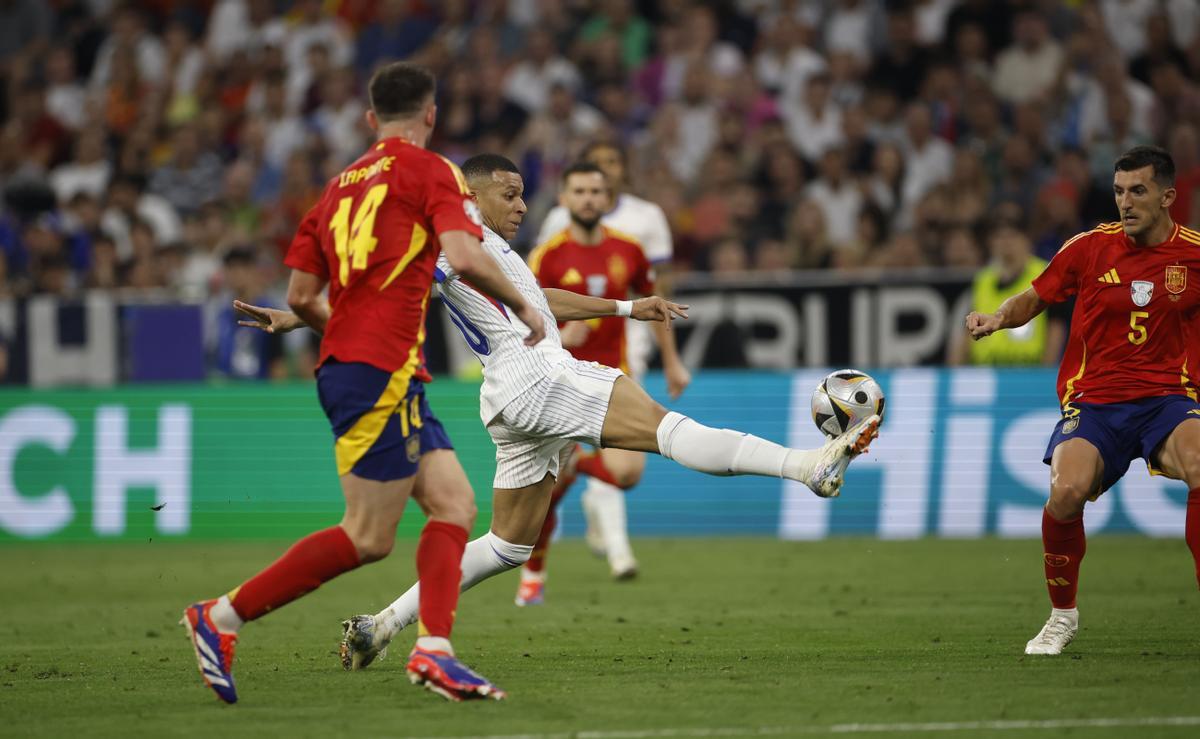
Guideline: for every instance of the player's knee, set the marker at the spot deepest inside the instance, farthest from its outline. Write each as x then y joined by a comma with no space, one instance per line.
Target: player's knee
626,478
1067,498
1189,464
372,545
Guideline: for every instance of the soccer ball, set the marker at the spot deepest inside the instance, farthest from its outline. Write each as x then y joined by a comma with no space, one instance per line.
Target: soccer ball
843,399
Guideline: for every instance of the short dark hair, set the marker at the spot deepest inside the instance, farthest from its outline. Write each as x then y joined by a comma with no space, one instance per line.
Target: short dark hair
398,90
483,165
1149,156
581,168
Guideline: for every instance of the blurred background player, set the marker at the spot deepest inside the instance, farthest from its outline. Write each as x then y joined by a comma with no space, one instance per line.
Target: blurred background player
1010,271
374,238
612,472
1123,381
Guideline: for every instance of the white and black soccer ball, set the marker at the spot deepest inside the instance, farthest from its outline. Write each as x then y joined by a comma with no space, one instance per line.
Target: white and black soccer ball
844,398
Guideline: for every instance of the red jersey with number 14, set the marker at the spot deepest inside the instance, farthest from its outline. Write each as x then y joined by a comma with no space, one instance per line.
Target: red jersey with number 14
373,235
1135,314
609,269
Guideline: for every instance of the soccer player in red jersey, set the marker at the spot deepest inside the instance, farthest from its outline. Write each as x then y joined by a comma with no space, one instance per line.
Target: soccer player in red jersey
589,258
374,238
1124,381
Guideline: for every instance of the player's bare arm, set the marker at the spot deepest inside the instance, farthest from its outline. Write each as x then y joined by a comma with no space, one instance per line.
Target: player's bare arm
1017,311
306,298
570,306
463,252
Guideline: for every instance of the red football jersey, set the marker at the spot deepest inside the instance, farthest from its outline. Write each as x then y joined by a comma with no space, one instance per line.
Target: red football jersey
373,235
610,269
1135,311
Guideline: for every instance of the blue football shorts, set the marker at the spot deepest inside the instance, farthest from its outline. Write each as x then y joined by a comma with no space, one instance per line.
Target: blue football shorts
381,421
1122,432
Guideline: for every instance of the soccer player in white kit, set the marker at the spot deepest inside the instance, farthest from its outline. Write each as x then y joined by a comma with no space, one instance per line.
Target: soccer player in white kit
538,402
604,499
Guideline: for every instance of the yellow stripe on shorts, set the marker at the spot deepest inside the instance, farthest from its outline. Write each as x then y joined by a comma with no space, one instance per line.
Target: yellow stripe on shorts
355,443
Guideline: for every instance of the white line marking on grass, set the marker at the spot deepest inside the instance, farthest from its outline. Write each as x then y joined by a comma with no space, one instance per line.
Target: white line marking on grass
948,726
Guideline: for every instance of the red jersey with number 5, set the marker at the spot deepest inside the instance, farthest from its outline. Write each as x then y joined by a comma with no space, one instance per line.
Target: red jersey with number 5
1135,311
373,235
610,269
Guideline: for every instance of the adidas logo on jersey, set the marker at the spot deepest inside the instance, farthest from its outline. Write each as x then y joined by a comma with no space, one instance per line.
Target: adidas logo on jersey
1110,277
572,277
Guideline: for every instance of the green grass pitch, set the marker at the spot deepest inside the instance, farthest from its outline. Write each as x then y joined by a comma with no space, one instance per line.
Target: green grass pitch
749,635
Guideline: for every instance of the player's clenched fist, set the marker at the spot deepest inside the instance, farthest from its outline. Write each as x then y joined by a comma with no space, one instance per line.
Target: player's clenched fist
980,325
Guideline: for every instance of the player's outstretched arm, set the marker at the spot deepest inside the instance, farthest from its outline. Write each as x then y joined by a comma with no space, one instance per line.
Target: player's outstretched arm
271,320
1018,310
463,252
569,306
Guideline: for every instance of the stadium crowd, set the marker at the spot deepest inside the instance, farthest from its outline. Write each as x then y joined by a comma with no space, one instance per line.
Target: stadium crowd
149,145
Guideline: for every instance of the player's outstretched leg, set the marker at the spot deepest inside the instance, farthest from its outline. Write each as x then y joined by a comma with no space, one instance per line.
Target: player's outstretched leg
637,423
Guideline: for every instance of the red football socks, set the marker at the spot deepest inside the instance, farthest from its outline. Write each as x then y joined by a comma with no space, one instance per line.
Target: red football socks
439,570
1064,544
315,559
1191,529
592,465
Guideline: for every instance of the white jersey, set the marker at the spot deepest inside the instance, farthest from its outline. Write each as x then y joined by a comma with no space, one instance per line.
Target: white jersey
635,216
496,336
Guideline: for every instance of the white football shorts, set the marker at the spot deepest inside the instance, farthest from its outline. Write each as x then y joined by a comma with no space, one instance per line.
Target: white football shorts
535,431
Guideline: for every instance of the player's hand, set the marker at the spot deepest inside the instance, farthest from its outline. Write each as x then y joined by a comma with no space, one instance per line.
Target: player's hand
980,325
678,378
533,319
654,308
268,319
574,333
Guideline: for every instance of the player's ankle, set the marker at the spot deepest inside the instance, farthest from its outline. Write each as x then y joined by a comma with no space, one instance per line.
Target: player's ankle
528,575
435,644
224,617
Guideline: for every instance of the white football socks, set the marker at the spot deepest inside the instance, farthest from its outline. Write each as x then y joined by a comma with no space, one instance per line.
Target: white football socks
224,617
727,452
607,503
486,556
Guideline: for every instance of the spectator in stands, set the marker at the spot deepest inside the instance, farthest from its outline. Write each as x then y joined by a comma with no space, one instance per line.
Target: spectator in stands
1010,270
236,353
1029,68
191,176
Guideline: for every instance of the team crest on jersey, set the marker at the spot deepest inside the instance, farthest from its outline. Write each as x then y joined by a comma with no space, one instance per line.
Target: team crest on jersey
1070,425
597,285
617,269
1176,279
1142,291
413,447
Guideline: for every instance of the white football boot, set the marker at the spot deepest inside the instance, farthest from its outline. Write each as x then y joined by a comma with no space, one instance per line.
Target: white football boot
827,475
1058,632
359,646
